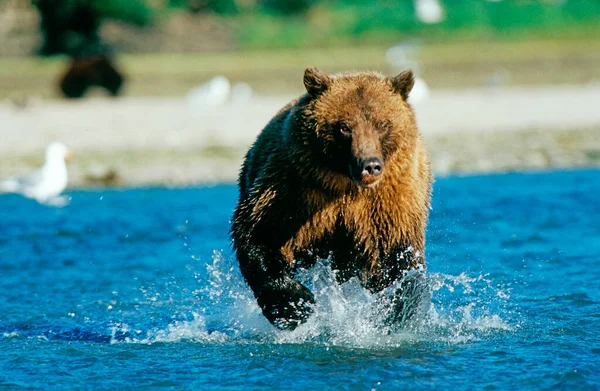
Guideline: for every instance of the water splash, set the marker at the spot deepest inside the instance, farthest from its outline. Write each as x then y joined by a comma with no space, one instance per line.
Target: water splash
452,309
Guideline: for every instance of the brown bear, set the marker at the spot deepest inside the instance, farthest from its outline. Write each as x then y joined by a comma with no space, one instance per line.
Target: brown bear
341,172
86,72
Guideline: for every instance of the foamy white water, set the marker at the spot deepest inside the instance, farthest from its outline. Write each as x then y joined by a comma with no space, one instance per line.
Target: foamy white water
452,309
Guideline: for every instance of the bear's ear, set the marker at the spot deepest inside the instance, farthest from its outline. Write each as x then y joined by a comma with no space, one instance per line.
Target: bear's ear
403,83
315,81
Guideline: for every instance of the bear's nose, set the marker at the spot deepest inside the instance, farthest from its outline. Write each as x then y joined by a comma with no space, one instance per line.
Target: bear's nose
372,167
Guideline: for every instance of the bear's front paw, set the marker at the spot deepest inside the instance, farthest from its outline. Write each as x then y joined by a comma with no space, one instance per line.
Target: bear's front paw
286,303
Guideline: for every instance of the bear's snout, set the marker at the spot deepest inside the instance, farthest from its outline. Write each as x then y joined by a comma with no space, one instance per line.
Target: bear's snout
369,171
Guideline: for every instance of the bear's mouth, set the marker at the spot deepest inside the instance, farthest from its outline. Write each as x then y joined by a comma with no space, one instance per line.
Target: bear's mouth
367,181
364,179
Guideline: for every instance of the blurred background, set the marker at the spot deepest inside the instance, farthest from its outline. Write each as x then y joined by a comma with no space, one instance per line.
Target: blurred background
172,92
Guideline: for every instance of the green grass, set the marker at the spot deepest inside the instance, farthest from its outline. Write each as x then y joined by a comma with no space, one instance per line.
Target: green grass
332,23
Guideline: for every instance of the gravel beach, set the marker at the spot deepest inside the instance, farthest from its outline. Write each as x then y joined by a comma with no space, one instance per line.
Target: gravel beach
169,141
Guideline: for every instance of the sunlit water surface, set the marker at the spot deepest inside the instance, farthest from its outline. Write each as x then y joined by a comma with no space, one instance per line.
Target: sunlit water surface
139,289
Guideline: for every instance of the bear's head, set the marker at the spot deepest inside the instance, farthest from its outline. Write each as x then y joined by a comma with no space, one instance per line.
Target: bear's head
357,123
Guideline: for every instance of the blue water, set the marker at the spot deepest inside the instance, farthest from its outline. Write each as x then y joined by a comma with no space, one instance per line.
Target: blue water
139,289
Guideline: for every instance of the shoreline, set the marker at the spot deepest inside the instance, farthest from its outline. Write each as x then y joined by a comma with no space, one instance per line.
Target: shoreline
137,142
486,154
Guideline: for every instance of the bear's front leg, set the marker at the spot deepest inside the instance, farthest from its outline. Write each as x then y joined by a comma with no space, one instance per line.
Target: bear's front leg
401,276
393,267
284,301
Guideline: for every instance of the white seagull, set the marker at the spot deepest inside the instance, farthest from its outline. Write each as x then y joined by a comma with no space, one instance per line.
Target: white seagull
45,184
214,93
429,11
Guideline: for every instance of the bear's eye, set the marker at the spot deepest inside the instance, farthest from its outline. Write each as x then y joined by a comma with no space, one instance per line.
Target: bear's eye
344,129
385,127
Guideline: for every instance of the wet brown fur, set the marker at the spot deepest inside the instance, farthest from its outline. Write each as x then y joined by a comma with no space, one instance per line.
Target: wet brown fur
298,199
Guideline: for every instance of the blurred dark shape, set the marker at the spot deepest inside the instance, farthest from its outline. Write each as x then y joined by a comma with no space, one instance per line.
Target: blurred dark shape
94,71
67,27
71,26
108,178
